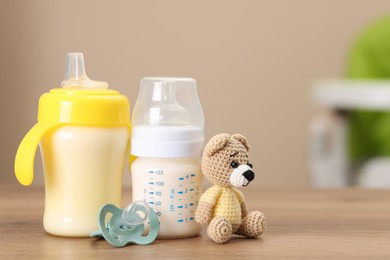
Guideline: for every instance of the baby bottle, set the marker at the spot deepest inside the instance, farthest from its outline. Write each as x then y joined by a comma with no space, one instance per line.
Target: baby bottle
167,139
83,132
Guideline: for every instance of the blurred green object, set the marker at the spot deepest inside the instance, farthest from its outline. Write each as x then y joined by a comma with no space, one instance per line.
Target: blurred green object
369,131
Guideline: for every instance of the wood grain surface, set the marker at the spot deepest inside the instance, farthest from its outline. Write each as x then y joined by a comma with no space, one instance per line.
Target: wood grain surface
302,224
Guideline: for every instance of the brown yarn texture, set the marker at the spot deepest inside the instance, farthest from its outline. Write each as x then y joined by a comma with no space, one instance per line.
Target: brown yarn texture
222,206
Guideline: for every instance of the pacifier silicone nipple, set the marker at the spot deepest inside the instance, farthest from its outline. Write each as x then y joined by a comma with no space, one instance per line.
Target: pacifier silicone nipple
75,75
136,214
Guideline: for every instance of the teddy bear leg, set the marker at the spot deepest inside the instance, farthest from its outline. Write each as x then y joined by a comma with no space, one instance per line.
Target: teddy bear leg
253,225
220,230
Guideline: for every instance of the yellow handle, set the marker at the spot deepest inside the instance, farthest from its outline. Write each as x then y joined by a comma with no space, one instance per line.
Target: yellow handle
24,160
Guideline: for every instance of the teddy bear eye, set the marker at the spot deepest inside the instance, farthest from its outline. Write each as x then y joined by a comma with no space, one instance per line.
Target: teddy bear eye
234,164
249,164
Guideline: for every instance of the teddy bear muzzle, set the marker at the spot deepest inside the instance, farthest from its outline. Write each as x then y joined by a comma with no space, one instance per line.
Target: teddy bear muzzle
241,176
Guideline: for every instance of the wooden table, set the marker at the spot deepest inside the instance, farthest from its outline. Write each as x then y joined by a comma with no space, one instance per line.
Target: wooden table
302,224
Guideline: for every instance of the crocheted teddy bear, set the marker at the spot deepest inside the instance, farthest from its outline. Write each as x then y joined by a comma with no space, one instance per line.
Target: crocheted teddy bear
225,162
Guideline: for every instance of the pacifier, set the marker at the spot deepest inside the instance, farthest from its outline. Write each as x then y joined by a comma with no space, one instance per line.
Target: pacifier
127,225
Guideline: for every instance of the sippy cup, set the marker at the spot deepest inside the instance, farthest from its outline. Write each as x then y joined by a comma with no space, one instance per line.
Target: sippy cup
83,133
167,139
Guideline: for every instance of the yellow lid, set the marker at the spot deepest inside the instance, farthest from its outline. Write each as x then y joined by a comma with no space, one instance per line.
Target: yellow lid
101,107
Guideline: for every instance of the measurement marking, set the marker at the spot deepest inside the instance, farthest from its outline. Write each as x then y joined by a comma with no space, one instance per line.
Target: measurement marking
151,202
191,204
180,220
151,183
191,189
193,175
179,192
191,218
187,176
151,192
179,207
151,171
181,179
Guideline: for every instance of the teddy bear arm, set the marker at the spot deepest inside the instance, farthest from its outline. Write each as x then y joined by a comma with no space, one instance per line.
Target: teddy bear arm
244,209
241,199
206,205
203,212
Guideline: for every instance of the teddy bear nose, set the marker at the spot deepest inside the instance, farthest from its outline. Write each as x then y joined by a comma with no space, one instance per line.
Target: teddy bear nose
249,175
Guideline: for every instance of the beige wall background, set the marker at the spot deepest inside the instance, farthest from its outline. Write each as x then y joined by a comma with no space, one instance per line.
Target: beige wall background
254,62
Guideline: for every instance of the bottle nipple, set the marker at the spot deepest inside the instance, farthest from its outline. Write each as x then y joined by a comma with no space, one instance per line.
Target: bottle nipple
75,75
167,120
165,109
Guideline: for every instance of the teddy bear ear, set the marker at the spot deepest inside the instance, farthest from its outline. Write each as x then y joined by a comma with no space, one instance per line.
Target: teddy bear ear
242,140
215,144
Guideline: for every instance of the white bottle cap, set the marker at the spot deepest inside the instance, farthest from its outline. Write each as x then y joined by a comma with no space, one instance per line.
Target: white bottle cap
167,120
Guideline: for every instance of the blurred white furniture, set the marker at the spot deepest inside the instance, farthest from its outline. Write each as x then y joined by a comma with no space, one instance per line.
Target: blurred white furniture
328,158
